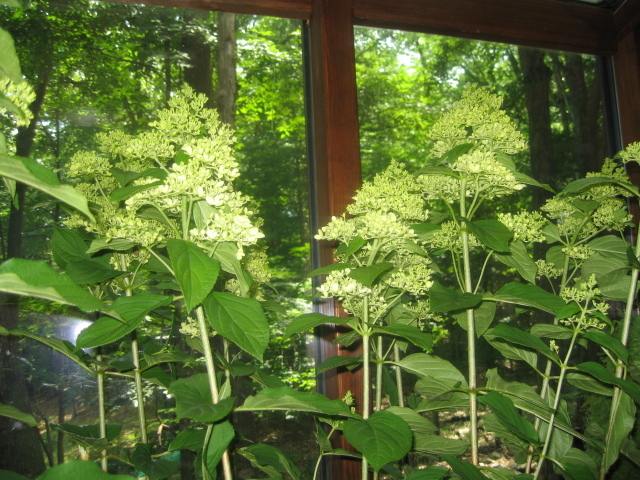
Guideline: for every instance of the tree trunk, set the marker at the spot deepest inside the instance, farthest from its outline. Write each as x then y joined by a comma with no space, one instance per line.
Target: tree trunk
199,70
536,77
20,446
227,81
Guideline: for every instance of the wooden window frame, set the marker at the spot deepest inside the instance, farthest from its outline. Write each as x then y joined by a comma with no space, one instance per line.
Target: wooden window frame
334,130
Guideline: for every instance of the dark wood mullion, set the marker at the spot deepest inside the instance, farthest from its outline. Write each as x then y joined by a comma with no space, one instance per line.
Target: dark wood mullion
300,9
534,23
336,154
626,68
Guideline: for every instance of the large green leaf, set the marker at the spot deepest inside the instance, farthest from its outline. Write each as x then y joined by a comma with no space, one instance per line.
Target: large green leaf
31,173
429,473
367,276
227,254
619,429
519,258
445,299
599,372
518,447
483,316
549,330
79,469
286,398
465,470
609,245
307,321
383,438
9,64
439,445
88,436
12,412
338,361
123,193
528,296
410,333
588,384
612,344
193,400
132,309
491,233
154,468
195,271
505,411
34,278
85,272
65,348
220,437
270,460
422,364
191,439
240,320
513,352
68,246
522,338
418,424
585,183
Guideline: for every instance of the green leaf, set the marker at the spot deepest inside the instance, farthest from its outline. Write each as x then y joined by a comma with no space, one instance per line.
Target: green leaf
155,469
368,275
601,373
194,270
545,330
619,430
116,244
528,296
12,412
85,272
491,233
191,439
329,268
465,470
612,344
307,321
10,65
221,436
450,157
270,460
522,338
286,398
438,445
579,457
383,438
483,316
227,254
429,473
505,411
609,246
88,436
65,348
337,362
509,350
354,245
584,183
240,320
631,256
347,339
422,364
517,447
445,299
67,246
80,469
31,173
519,259
527,180
123,193
36,278
410,333
7,475
588,384
193,400
418,424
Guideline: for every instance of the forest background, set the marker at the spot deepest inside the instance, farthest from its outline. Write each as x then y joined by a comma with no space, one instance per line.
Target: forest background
98,66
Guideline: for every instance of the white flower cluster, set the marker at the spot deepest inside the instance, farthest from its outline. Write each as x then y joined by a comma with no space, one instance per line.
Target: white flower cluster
17,96
477,119
526,226
586,295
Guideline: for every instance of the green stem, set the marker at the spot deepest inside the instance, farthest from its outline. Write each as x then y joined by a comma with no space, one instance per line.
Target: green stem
620,369
471,334
213,381
556,404
319,461
366,376
137,376
396,359
102,412
379,375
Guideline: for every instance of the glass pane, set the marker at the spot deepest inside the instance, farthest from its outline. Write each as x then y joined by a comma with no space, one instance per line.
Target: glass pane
99,68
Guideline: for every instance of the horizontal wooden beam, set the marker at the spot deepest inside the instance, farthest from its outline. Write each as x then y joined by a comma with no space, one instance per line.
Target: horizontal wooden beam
300,9
547,24
626,18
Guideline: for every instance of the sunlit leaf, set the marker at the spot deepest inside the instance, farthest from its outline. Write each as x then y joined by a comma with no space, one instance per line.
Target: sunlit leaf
193,399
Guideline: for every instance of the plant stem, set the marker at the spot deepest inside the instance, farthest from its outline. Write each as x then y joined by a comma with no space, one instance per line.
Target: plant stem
137,375
396,358
379,376
366,376
556,404
102,412
620,369
213,381
471,333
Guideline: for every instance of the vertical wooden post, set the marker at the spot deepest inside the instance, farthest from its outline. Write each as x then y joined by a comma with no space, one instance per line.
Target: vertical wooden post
626,68
336,173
